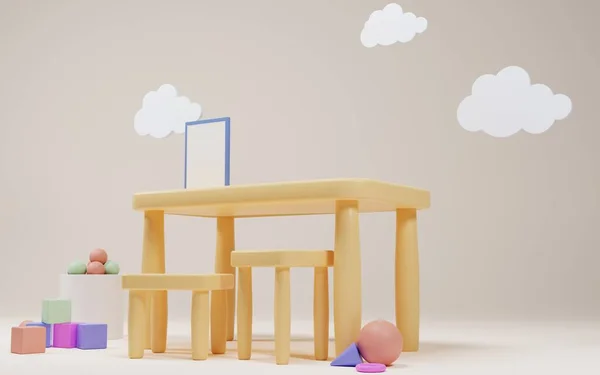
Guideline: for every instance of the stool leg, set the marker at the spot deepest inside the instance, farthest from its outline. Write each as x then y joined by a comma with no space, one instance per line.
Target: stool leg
218,323
283,324
200,317
159,321
148,320
136,325
321,313
244,313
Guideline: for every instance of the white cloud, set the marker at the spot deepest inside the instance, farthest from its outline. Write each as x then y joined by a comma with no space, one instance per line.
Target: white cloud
390,25
501,105
163,113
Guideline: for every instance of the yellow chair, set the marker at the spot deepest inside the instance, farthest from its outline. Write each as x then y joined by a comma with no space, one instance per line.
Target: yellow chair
282,261
200,286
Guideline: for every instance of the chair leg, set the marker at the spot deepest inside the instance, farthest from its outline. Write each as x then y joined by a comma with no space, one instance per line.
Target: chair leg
321,313
244,313
136,325
282,315
200,324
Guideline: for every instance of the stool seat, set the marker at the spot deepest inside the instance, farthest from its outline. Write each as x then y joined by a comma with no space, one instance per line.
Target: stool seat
282,258
140,285
160,281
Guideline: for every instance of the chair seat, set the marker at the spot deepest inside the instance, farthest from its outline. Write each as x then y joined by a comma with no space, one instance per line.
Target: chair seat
149,281
282,258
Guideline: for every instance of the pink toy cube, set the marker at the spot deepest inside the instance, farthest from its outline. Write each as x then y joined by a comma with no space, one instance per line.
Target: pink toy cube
65,335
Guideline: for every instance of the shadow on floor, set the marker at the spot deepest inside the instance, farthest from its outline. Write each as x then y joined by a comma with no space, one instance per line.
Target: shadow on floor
302,351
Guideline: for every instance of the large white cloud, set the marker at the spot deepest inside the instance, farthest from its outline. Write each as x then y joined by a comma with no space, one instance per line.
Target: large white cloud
501,105
390,25
163,113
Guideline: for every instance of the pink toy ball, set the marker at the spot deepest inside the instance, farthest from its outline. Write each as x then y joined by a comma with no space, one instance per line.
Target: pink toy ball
380,342
95,268
98,255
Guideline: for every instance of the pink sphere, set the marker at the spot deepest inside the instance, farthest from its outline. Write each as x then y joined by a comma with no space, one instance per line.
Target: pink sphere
380,342
98,255
95,268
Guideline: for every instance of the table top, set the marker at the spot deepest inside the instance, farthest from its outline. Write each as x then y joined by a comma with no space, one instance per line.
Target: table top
294,198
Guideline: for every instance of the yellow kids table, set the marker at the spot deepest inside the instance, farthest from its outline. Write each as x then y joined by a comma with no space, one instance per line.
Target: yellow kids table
344,198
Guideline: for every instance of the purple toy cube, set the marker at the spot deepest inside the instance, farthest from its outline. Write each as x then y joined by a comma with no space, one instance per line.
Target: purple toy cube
48,331
92,336
65,335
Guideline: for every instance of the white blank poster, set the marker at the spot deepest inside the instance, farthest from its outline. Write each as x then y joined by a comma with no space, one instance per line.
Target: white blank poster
207,153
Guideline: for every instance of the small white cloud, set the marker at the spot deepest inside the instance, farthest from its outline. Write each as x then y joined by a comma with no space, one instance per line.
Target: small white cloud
163,113
501,105
390,25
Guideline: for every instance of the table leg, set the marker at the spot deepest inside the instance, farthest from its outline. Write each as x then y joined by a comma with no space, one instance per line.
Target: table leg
347,285
407,278
223,309
153,261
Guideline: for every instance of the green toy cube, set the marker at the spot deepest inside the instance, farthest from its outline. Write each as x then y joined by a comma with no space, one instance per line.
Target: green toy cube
56,311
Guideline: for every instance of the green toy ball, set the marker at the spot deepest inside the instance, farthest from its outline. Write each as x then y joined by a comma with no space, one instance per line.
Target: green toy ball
111,268
77,268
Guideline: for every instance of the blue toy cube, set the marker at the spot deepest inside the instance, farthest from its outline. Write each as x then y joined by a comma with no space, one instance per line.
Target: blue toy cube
92,336
48,331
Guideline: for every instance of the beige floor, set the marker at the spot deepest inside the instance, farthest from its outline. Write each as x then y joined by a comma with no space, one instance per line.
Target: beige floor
448,348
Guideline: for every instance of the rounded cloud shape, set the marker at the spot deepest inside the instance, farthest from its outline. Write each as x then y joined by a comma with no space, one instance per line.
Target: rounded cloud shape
390,25
163,113
501,105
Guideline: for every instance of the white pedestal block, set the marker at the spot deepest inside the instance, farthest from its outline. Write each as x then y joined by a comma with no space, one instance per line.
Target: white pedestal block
96,299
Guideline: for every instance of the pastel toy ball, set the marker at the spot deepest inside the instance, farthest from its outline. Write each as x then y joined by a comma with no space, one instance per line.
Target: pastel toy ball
98,255
95,268
380,342
77,268
111,268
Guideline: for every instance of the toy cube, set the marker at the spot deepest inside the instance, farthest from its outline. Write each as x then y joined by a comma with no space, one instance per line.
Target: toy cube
56,311
65,335
28,340
92,336
48,328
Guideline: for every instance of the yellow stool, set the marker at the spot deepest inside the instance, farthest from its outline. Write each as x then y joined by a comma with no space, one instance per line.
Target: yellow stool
200,285
282,261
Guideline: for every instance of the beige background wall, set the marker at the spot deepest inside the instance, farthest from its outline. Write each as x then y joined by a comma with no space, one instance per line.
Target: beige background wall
512,231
